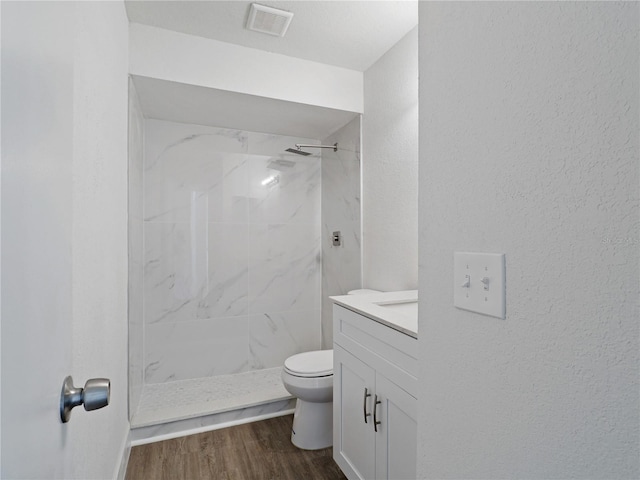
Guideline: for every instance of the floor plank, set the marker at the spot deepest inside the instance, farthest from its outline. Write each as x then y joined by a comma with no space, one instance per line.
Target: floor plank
254,451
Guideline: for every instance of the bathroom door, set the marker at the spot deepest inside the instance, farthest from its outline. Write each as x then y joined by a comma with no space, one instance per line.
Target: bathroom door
36,246
43,305
37,155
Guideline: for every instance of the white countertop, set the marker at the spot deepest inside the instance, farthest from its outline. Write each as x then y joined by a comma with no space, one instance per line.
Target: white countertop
397,310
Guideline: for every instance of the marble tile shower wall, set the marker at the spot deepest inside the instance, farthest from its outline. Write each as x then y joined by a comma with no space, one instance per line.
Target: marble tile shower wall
232,256
136,273
341,265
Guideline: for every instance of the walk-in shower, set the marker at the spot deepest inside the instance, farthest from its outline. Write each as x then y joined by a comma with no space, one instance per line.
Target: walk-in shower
231,265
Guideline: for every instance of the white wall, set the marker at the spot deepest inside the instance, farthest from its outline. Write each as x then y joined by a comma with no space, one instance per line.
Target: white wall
390,169
529,146
188,59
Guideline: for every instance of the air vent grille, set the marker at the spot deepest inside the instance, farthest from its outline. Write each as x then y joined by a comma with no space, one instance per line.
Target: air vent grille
268,20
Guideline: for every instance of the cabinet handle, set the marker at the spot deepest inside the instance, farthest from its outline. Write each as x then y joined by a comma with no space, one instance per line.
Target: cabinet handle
375,417
364,404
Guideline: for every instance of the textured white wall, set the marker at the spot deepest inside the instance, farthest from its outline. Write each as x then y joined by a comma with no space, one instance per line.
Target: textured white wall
390,169
529,146
178,57
99,272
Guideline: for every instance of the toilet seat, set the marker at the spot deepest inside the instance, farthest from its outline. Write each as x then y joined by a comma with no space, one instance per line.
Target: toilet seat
310,364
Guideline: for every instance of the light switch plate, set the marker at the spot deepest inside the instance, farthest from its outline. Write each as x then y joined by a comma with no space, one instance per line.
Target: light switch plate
479,282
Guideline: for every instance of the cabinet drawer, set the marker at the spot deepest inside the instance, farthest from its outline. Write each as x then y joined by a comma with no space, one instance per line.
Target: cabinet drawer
389,351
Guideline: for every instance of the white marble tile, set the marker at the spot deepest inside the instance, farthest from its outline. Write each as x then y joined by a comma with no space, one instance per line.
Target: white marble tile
273,337
201,348
186,164
219,178
284,268
195,271
341,270
327,323
341,265
136,333
135,245
161,137
293,197
341,176
220,244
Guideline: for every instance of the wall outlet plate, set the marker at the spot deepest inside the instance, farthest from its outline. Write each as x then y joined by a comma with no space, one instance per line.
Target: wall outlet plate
479,283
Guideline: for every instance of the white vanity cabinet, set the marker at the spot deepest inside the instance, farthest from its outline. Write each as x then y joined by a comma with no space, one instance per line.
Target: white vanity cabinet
374,403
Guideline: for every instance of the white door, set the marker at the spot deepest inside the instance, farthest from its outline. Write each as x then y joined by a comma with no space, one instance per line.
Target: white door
397,433
46,242
353,433
37,103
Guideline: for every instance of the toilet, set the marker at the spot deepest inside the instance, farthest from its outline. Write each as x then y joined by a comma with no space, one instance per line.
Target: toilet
308,376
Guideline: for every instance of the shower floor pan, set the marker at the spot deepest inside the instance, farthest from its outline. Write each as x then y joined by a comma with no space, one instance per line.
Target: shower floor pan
187,399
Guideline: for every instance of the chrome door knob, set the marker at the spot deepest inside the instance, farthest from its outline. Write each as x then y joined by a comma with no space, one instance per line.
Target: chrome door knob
94,395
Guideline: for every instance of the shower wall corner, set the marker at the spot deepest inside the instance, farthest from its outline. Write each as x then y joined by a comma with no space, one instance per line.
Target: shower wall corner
341,211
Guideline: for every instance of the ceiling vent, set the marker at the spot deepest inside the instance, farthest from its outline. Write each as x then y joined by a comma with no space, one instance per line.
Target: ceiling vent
268,20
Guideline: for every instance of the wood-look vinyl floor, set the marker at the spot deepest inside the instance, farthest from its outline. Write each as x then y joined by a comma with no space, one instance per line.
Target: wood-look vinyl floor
254,451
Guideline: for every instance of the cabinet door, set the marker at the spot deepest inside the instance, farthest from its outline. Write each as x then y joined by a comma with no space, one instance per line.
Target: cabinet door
397,432
354,446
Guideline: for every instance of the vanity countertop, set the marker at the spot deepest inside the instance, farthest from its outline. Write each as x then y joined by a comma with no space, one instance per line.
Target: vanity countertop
397,310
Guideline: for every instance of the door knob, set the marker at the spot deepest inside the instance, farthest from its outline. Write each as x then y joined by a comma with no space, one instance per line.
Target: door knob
94,395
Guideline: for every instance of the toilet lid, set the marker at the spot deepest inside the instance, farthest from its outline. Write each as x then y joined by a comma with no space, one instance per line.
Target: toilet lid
310,364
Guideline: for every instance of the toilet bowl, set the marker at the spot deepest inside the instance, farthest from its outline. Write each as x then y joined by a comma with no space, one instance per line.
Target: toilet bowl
309,377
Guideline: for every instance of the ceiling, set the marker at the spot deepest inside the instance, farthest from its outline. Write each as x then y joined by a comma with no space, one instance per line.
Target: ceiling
178,102
348,34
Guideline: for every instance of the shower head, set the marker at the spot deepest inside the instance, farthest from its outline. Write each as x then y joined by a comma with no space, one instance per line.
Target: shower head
300,146
297,151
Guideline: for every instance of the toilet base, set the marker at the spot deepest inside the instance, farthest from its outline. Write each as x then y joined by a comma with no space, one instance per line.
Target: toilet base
312,425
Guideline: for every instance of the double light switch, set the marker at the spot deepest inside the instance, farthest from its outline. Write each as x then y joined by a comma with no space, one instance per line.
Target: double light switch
479,282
